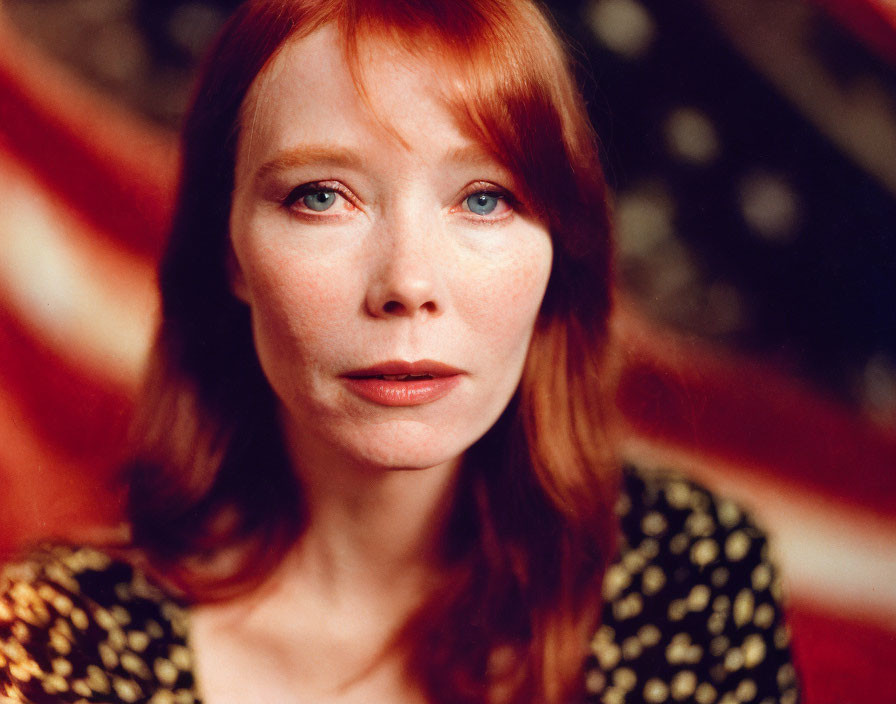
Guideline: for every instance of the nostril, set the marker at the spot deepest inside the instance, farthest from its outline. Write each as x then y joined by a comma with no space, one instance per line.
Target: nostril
392,307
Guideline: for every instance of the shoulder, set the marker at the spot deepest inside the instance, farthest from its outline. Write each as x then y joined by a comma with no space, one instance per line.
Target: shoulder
692,602
667,517
77,625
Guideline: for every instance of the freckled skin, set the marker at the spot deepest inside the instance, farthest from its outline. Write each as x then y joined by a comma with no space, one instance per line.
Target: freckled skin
398,268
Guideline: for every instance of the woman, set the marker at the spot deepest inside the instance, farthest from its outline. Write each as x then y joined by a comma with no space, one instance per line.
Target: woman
373,460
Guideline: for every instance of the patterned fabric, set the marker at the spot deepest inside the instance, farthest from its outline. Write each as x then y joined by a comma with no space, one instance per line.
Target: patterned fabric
77,626
691,616
691,609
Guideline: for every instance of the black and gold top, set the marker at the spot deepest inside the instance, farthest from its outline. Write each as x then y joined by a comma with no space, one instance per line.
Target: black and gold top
691,615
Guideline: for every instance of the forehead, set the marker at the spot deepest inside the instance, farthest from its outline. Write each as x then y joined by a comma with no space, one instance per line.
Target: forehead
310,85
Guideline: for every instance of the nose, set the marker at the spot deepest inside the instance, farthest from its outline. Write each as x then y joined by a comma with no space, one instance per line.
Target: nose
405,280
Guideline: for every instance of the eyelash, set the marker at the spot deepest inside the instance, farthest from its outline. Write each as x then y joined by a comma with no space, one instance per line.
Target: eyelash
483,187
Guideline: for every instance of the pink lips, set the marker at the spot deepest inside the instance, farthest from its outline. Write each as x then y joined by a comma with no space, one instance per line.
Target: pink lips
434,381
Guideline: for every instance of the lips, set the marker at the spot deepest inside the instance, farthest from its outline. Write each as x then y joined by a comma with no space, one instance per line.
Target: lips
398,383
421,368
398,377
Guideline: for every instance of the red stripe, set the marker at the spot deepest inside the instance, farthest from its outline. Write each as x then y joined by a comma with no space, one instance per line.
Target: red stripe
873,21
43,493
710,402
76,413
842,660
116,171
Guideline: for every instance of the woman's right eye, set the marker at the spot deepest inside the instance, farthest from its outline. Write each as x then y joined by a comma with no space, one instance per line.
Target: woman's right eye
319,200
315,197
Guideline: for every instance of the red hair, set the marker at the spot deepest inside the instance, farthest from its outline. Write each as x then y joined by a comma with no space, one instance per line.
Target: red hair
533,526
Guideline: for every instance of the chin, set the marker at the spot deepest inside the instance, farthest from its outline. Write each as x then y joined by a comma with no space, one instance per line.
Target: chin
408,445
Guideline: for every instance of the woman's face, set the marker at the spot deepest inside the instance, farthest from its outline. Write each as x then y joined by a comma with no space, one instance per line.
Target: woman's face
376,239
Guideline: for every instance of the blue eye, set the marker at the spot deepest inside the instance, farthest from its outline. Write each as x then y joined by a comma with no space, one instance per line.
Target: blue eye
319,200
482,203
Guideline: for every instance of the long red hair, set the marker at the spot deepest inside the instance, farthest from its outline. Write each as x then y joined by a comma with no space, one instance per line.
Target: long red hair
533,526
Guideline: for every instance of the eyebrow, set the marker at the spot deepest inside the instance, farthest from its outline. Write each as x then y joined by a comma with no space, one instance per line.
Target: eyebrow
471,154
480,157
304,155
296,157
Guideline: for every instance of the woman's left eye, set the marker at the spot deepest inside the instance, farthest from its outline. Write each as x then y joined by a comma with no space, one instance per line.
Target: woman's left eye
486,203
482,203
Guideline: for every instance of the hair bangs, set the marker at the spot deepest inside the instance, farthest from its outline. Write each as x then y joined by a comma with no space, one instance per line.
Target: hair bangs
498,72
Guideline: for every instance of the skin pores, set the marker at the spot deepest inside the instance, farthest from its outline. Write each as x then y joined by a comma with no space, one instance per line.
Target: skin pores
365,232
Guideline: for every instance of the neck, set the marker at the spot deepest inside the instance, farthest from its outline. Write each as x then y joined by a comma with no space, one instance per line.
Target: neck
373,526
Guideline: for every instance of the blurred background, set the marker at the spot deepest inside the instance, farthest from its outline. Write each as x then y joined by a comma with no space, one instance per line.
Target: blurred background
751,147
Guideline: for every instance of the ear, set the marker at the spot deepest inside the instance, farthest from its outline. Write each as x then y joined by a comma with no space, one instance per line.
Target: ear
235,276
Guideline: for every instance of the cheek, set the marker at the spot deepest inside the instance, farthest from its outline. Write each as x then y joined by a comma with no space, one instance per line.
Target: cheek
299,309
503,306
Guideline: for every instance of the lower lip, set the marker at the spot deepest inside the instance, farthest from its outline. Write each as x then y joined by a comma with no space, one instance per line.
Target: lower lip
403,393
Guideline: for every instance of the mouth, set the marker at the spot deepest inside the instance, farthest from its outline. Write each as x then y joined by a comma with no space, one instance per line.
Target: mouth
421,370
394,377
401,383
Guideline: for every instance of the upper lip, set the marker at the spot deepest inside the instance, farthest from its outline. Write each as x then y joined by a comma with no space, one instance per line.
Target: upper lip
395,367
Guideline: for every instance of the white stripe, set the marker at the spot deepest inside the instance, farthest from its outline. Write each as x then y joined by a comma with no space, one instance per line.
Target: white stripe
94,305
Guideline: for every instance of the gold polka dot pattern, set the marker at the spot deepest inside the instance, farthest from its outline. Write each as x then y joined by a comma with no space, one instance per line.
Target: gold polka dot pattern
701,604
77,627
